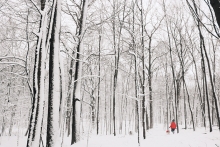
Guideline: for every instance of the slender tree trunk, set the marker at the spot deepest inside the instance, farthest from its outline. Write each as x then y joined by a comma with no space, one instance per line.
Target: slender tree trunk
206,94
204,97
150,84
185,112
11,123
63,96
99,81
110,101
105,117
214,80
190,108
137,127
143,73
167,97
116,69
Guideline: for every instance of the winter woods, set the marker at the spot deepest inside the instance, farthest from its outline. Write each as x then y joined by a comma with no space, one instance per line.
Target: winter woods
71,68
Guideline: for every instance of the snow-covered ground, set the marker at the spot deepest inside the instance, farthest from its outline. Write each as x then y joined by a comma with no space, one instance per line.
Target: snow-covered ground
156,137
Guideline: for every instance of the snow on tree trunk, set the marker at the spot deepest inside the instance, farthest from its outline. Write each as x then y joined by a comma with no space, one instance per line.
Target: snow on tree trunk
38,86
77,78
62,94
52,139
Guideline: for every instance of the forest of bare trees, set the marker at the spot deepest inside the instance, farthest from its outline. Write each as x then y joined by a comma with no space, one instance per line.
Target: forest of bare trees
69,68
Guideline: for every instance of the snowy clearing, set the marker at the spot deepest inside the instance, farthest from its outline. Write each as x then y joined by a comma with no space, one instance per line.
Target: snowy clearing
156,137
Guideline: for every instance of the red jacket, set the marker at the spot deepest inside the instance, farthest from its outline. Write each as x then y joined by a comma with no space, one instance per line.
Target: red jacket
173,125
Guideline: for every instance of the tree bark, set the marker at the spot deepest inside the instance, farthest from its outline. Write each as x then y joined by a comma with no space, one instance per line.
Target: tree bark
77,78
99,81
216,7
150,84
52,139
36,119
116,68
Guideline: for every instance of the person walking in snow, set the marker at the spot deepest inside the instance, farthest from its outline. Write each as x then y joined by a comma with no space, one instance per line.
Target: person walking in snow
173,126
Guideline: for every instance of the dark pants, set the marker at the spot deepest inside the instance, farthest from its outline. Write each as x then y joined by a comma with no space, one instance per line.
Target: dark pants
172,130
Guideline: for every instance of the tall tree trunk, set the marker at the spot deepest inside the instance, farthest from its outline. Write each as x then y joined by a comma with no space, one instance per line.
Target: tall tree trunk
137,99
110,100
99,81
52,139
143,72
77,78
167,97
206,94
69,94
137,118
214,79
116,68
105,116
150,84
62,95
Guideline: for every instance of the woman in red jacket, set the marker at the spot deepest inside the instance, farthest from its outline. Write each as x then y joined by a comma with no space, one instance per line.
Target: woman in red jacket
173,126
